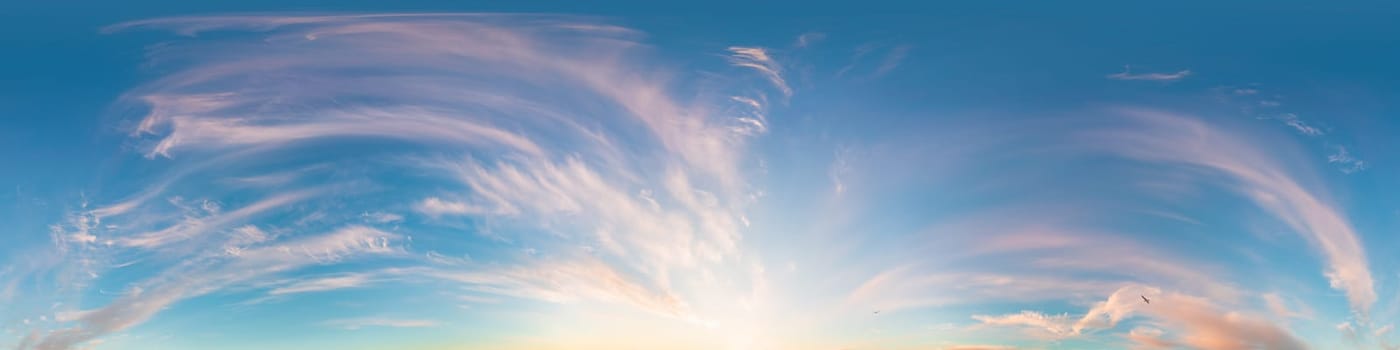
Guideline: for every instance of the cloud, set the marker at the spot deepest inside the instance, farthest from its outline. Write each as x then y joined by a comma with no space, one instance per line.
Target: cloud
1296,123
1346,162
323,284
569,281
1127,74
1042,262
677,223
208,273
893,57
1164,137
380,217
357,323
1280,308
622,180
808,39
434,206
1349,332
1150,338
892,60
839,169
1040,325
194,132
757,58
905,287
463,104
194,227
1203,325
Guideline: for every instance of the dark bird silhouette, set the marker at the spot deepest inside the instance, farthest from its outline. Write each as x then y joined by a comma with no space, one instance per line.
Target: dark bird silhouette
1145,300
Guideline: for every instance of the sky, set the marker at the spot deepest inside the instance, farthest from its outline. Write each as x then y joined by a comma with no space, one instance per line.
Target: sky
723,175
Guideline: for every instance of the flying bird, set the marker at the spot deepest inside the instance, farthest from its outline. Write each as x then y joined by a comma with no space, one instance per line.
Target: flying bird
1145,300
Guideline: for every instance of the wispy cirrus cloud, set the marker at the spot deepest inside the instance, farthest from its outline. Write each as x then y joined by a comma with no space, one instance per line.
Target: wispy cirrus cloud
207,273
1072,252
434,206
570,281
357,323
758,59
1049,263
1279,306
1338,155
1160,137
1293,121
1127,74
323,284
195,226
1041,325
809,39
892,59
553,125
607,180
1345,161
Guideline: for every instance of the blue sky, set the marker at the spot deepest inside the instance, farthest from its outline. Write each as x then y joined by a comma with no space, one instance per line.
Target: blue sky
549,175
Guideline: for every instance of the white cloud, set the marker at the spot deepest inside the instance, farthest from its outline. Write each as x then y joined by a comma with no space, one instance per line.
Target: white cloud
570,281
380,217
209,273
758,59
1296,123
434,206
1204,325
1163,137
1279,307
1127,74
1345,161
1348,331
196,132
892,59
576,58
1041,325
197,226
840,168
323,284
810,38
1048,263
357,323
905,288
574,143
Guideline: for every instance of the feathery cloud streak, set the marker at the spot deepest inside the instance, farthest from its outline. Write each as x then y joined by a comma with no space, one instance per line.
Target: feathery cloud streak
557,130
1164,137
1127,74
